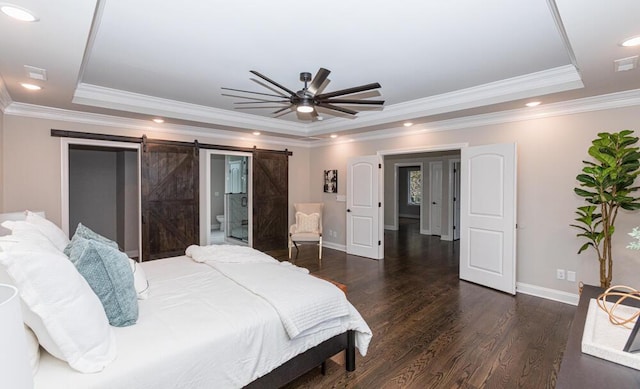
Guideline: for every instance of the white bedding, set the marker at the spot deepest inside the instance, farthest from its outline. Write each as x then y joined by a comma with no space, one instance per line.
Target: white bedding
279,283
197,329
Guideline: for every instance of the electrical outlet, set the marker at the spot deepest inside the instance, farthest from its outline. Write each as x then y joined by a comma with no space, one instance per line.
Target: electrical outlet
560,274
571,276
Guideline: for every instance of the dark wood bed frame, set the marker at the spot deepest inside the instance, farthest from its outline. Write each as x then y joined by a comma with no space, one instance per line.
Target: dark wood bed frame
310,359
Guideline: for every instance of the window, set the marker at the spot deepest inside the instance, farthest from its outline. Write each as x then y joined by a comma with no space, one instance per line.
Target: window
415,187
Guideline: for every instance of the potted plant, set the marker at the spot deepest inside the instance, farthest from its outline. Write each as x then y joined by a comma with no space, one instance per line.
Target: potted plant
607,185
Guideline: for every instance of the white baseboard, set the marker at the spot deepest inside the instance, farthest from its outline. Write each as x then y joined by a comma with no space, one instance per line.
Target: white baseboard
425,232
390,227
335,246
546,293
409,216
446,237
131,253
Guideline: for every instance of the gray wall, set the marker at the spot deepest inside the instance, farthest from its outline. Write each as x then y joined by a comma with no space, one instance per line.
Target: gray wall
93,190
103,194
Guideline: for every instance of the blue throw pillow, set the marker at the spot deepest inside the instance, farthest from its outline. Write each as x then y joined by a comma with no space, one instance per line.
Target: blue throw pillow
85,232
108,272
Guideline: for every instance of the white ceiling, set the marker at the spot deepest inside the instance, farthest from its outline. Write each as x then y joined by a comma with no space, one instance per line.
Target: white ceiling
434,59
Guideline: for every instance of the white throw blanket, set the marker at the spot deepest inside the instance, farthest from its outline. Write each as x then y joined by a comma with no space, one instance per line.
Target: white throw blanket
227,253
302,301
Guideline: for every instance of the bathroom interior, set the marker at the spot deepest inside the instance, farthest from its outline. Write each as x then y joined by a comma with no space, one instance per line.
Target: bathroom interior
229,199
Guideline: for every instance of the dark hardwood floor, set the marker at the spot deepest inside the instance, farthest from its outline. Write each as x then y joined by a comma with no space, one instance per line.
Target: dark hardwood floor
431,330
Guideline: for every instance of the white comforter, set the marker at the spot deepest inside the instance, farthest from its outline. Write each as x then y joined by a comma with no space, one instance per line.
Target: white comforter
197,329
302,301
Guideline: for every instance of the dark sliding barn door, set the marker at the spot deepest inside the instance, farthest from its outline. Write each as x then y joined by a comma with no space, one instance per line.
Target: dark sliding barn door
270,200
170,200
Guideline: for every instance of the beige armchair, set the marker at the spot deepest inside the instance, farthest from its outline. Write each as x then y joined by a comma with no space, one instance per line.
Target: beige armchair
308,227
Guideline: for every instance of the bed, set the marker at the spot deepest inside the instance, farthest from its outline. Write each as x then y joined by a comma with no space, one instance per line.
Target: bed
202,326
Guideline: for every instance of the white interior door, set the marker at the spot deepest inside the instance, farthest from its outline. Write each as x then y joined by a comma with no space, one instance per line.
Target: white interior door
488,216
364,209
435,177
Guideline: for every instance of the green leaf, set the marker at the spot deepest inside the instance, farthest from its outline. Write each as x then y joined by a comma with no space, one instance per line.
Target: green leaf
585,246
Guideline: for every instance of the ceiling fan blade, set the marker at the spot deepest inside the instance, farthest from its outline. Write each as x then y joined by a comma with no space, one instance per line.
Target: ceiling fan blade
336,108
261,107
318,80
244,97
281,109
262,102
349,91
350,101
282,112
248,91
267,79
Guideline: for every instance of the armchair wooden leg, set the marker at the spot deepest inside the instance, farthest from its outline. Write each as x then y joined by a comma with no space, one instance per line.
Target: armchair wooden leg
289,246
320,249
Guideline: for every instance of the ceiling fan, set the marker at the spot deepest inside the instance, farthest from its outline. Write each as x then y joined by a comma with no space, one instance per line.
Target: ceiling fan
307,99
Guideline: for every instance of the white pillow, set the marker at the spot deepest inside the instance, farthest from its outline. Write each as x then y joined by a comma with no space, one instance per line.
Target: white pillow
65,314
307,223
50,230
139,280
21,231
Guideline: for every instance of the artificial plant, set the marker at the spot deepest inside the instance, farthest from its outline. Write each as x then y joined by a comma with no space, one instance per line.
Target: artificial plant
607,186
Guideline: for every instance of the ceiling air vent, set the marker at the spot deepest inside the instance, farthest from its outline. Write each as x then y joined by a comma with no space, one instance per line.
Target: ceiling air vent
36,73
623,64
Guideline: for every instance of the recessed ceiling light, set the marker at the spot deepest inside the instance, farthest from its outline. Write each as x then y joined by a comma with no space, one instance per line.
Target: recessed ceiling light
630,42
30,86
158,120
408,124
18,13
533,104
334,136
256,133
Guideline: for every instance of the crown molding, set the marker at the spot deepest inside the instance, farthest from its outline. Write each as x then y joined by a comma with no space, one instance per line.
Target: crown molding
49,113
535,84
98,96
588,104
554,80
5,97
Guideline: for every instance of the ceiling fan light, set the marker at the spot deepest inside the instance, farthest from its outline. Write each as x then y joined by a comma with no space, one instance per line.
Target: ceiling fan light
304,107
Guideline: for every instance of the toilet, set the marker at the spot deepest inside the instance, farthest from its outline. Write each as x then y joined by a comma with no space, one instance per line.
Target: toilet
220,219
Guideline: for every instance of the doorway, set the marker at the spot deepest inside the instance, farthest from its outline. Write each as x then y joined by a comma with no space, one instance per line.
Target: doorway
436,168
228,198
101,190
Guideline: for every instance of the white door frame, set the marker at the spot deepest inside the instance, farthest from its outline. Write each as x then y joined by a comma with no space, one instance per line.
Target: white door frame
394,226
450,215
64,162
418,150
431,188
207,193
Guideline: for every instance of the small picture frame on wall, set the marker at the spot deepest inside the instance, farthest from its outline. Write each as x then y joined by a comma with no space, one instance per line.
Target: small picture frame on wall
330,181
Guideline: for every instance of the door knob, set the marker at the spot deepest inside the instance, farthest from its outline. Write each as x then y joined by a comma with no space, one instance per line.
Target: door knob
348,210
